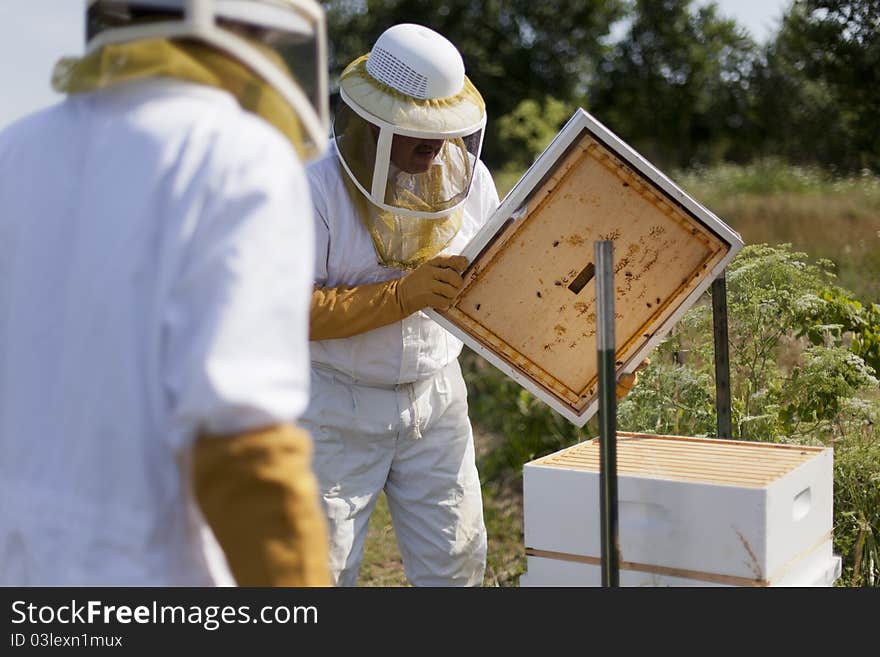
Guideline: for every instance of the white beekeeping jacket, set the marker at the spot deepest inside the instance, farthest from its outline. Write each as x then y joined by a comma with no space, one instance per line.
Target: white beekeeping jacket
155,276
406,351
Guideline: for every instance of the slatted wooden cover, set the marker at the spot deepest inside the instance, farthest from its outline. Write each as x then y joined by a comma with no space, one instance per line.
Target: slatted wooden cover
678,458
530,295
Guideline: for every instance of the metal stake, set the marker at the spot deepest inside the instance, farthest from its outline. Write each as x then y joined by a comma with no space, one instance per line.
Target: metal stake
722,357
604,254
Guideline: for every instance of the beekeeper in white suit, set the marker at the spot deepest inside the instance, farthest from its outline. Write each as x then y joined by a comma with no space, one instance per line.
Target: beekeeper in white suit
155,278
401,193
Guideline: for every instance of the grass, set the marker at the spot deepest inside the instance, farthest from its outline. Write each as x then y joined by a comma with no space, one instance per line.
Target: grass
857,506
833,218
382,565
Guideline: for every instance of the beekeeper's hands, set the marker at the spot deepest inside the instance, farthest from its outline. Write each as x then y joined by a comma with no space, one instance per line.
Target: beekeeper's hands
344,311
628,380
433,284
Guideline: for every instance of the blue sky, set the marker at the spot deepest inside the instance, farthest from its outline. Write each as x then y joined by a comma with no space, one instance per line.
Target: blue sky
35,33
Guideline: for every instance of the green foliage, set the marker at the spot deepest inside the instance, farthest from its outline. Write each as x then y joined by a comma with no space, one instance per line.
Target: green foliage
676,86
857,507
819,391
670,399
528,129
761,177
782,387
501,406
817,96
834,316
765,287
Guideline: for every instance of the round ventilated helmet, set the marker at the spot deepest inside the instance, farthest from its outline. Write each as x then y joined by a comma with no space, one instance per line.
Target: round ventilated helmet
409,129
293,29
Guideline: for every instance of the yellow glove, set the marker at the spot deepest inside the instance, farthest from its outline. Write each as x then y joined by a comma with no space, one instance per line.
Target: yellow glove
433,284
628,380
260,498
341,312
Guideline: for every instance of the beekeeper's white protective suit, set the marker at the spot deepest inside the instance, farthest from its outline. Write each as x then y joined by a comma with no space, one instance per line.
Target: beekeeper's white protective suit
388,406
155,275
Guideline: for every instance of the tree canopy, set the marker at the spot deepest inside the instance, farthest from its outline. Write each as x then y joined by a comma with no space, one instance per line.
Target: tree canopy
682,84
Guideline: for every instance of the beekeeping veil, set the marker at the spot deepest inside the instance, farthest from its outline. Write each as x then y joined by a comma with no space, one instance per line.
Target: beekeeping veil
270,54
411,85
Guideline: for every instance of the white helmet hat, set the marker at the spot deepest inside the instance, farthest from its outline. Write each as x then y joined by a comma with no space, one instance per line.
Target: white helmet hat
294,29
411,84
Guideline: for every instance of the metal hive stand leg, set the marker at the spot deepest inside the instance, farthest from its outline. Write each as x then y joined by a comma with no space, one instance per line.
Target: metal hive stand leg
604,255
722,357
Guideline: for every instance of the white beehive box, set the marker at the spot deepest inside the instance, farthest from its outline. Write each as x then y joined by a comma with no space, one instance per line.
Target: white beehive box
690,511
818,568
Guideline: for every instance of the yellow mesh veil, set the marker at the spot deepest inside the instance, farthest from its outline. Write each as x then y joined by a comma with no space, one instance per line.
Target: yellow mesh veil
407,241
186,60
403,242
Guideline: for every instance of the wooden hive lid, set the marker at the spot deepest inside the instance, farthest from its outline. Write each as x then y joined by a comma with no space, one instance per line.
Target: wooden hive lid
680,458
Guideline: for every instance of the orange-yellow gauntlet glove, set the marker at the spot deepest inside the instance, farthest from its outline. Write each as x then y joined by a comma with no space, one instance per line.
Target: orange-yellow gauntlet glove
341,312
628,380
259,496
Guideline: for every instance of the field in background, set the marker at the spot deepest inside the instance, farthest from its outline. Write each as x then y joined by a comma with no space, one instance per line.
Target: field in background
837,219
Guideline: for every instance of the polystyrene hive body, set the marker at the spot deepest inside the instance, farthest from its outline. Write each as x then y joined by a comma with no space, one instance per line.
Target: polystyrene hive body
689,510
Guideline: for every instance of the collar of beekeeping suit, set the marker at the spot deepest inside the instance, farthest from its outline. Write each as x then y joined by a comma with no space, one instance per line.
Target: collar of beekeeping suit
269,54
192,61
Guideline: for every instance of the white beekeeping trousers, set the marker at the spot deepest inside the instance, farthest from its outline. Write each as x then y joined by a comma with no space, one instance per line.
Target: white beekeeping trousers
413,441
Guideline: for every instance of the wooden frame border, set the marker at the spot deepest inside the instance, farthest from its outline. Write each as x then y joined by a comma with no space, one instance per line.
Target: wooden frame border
504,222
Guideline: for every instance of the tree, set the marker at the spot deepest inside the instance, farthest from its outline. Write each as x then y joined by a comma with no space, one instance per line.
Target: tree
513,50
528,129
818,91
676,86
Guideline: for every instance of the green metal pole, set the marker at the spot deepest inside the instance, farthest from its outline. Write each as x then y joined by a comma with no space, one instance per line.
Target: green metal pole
604,254
722,357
